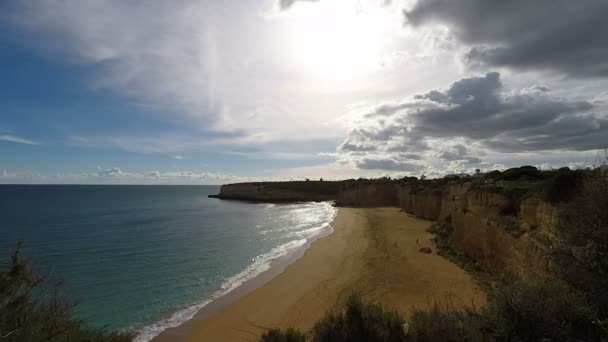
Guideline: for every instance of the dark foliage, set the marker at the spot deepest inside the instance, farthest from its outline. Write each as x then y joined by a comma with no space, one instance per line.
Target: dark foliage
31,311
359,322
564,186
546,310
289,335
580,251
534,311
356,322
521,173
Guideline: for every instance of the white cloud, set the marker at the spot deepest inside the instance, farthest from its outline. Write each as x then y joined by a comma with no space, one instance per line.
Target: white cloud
178,157
155,52
17,140
116,175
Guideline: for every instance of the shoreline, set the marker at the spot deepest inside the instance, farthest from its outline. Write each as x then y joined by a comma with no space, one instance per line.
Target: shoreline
372,251
217,304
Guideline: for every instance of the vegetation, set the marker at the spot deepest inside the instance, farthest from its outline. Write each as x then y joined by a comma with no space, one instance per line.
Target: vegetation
580,247
289,335
572,305
356,322
30,310
534,311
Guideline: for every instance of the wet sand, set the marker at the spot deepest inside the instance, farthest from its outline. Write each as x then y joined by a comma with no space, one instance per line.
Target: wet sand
373,251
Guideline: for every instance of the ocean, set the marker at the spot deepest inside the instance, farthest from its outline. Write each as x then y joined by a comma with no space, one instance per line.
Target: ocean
146,258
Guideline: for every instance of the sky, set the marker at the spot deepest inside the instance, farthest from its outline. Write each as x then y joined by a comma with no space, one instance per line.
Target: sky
212,92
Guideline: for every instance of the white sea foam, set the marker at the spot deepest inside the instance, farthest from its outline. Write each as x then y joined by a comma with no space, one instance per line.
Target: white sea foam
260,264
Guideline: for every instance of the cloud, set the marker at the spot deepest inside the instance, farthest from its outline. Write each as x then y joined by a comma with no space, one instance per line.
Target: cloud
116,175
17,140
472,116
457,152
386,164
153,52
178,157
570,37
113,172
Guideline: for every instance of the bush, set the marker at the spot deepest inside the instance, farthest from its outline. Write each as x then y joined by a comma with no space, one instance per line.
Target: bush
356,322
445,324
31,311
520,173
289,335
564,186
540,310
580,251
534,311
359,322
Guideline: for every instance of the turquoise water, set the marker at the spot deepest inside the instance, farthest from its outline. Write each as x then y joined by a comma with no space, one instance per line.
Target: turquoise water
148,257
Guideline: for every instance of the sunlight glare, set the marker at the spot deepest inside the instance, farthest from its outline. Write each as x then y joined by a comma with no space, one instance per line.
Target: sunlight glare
339,40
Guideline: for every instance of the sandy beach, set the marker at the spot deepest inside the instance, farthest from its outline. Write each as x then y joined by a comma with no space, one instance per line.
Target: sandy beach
373,251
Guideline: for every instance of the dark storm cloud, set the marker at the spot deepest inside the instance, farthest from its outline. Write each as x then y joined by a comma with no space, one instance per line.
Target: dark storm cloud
457,152
480,112
568,36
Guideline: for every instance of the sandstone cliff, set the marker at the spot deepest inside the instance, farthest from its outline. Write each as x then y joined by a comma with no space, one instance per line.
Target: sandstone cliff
281,191
505,233
502,226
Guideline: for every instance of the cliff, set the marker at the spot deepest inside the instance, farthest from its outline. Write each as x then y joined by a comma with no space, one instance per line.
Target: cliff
504,222
503,228
295,191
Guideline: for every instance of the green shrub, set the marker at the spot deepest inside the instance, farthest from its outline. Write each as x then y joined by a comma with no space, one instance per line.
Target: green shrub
356,322
445,324
534,311
359,322
540,310
521,173
580,249
289,335
32,311
564,186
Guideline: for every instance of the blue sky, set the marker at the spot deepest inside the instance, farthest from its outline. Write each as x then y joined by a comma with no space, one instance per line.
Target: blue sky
219,91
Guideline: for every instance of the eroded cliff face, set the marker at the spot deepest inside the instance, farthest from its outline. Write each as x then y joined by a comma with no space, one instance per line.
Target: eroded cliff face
506,234
423,204
369,195
279,192
507,237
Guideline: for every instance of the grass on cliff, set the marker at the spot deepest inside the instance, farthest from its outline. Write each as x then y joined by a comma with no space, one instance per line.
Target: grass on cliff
534,311
31,311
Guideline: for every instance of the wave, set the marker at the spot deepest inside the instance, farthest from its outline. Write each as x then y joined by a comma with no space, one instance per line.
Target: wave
260,264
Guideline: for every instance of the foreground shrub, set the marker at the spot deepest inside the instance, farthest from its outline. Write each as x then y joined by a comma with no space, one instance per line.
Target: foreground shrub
536,311
356,322
445,323
359,322
31,311
289,335
580,250
541,310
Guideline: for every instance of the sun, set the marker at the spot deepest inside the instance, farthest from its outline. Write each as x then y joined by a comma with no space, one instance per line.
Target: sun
338,40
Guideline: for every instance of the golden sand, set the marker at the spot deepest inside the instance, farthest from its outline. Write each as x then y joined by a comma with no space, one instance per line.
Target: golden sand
373,251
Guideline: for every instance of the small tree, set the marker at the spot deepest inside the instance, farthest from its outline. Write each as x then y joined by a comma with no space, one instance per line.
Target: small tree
31,311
